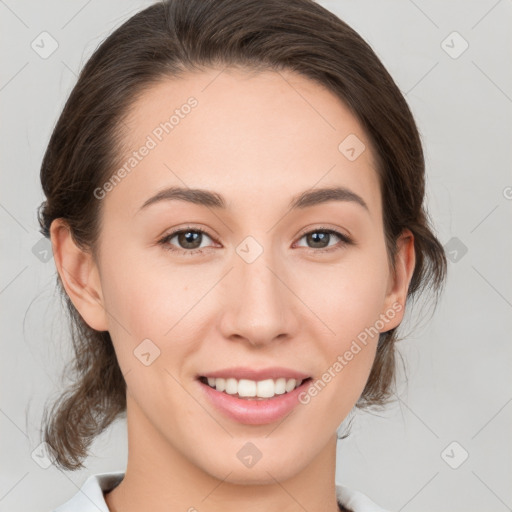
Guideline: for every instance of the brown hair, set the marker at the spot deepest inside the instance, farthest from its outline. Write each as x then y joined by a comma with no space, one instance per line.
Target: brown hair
160,42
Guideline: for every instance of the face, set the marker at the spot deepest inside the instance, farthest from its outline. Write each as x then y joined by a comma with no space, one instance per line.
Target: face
192,288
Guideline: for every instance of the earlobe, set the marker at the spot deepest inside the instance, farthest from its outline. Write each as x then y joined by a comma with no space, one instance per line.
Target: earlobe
400,278
79,275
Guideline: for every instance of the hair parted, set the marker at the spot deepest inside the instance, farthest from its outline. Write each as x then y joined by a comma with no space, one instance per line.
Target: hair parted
161,42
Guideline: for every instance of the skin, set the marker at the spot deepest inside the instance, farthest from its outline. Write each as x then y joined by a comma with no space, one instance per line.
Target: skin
259,140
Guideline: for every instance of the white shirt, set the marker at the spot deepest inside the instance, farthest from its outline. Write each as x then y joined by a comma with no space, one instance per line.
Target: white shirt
90,496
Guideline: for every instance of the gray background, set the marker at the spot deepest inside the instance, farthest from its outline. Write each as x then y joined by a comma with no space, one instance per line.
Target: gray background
459,387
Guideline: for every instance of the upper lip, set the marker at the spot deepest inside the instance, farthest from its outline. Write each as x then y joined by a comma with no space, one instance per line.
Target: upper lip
239,372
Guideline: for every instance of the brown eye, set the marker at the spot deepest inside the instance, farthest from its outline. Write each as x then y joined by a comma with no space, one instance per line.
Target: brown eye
321,238
188,240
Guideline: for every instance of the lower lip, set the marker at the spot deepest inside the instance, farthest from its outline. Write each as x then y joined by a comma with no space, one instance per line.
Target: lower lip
255,412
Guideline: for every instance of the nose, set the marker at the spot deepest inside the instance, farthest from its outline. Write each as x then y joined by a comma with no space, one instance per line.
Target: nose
260,306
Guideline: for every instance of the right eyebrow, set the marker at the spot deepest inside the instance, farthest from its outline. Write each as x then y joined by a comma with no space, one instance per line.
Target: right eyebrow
192,195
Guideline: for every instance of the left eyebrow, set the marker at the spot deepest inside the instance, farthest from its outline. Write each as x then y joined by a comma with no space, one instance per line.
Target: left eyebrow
323,195
211,199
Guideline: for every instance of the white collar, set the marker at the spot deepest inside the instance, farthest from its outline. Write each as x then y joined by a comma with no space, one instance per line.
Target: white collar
90,496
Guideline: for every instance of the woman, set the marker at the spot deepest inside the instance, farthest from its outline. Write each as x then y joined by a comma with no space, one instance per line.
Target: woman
235,204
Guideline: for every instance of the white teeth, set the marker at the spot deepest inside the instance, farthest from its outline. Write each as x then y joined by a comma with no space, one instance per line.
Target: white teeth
220,384
246,387
280,386
250,388
266,388
231,386
290,385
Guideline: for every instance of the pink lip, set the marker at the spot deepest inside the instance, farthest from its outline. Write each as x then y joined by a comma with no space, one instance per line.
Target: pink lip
273,372
251,411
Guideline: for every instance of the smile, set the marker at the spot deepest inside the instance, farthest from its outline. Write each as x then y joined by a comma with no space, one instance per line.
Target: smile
251,389
240,399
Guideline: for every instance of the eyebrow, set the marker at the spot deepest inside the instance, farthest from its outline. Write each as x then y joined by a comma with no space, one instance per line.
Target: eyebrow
211,199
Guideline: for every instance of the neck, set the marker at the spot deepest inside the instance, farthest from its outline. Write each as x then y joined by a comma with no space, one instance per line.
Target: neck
160,478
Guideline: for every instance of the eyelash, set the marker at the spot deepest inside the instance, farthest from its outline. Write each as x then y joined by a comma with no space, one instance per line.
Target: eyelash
345,240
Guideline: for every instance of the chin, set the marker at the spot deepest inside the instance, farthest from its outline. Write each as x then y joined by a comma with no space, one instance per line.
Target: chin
264,472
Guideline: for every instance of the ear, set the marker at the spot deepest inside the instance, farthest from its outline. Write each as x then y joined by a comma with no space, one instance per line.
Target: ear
399,280
79,275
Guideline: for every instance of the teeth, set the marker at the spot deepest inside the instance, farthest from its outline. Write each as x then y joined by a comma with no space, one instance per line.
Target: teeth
251,388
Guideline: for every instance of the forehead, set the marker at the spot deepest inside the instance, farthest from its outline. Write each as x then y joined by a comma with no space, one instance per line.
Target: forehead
247,135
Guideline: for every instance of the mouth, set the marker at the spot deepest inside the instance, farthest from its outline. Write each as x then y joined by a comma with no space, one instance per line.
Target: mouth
247,389
242,401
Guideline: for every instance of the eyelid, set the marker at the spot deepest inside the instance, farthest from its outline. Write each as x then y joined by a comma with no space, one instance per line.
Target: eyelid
334,229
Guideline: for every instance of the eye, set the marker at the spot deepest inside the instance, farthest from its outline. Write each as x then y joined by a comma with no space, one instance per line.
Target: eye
189,239
321,237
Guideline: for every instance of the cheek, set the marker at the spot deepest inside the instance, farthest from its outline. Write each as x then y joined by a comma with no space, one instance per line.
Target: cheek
152,299
153,325
347,296
347,301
